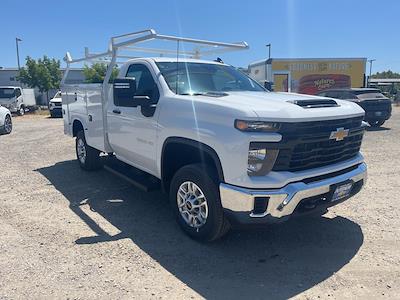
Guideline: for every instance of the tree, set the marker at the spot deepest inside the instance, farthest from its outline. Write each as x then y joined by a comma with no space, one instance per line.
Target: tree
96,73
386,74
44,74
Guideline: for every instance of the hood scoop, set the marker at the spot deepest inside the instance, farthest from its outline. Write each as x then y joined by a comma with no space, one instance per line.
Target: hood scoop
315,103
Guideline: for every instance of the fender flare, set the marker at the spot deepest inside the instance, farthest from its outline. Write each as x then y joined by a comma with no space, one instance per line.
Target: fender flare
195,144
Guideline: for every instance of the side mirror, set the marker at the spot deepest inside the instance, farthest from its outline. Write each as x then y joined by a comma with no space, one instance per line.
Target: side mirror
124,92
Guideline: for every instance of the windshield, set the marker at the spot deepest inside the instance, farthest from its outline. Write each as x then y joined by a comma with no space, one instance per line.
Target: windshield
201,78
369,94
7,92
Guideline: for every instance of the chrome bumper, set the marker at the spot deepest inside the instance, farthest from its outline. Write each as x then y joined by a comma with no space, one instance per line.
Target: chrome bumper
282,202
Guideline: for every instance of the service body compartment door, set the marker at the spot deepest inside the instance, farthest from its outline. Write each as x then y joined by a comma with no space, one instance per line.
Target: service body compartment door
94,132
68,96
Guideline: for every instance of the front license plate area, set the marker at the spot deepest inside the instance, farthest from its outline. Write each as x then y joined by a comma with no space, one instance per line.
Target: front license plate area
341,190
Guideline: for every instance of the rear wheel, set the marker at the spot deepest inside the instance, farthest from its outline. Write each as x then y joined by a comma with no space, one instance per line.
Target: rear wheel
194,197
376,123
7,125
88,157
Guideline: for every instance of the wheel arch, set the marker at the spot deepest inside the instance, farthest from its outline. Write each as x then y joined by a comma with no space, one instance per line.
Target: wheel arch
190,152
77,126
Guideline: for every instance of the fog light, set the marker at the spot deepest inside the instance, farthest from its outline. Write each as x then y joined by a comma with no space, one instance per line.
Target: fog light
260,159
255,160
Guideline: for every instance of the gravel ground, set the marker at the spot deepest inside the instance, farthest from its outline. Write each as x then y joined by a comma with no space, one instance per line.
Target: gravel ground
66,233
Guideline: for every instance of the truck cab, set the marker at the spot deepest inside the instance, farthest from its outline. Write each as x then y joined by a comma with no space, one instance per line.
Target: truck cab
226,150
11,97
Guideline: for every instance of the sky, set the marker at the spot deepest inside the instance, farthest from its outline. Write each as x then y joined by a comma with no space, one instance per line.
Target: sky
295,28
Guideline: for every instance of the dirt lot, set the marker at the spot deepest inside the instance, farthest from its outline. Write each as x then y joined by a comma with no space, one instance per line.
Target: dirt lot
66,233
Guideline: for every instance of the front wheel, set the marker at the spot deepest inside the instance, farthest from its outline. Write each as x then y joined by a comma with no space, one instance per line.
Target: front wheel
21,111
88,157
376,123
194,197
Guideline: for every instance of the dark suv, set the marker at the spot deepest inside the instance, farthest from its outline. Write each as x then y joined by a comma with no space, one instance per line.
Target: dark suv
378,108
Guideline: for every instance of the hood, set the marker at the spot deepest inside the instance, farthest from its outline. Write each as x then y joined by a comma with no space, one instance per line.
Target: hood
56,100
3,110
282,107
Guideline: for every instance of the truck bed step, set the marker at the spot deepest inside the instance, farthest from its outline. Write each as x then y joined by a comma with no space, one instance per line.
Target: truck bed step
136,177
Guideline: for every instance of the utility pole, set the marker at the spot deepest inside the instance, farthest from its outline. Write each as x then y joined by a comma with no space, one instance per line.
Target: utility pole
370,70
269,50
16,43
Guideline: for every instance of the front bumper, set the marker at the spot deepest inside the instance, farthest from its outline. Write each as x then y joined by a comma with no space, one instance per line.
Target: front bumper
56,110
239,202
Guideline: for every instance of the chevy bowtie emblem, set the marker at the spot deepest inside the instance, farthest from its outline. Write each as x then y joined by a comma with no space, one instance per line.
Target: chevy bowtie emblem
339,134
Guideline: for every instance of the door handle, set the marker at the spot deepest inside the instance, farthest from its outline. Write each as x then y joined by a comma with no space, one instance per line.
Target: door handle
117,111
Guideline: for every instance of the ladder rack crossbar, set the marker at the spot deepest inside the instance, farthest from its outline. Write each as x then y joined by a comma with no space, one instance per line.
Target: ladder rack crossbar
126,42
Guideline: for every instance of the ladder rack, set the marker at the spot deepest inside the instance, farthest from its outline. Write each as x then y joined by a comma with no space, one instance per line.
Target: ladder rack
125,42
120,44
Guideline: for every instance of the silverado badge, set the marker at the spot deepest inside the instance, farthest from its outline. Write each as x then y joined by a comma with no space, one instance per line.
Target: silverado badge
339,134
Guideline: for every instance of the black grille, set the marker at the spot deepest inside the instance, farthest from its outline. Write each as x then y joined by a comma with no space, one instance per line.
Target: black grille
308,145
319,126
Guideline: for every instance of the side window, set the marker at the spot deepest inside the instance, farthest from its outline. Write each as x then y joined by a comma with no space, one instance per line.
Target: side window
17,92
335,95
351,96
145,84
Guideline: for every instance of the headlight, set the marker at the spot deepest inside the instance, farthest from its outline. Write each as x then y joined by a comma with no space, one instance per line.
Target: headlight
260,159
256,126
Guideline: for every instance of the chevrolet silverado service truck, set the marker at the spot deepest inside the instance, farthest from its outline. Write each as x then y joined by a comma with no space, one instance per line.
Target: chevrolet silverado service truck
227,151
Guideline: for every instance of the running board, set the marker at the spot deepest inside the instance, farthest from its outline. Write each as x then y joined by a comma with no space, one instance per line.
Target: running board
136,177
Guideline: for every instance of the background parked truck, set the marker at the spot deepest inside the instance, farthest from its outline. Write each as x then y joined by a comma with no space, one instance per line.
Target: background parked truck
17,99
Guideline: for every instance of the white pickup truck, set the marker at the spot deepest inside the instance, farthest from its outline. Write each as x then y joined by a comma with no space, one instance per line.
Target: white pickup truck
227,151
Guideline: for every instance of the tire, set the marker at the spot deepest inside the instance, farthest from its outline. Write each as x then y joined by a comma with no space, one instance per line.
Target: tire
52,114
21,111
7,125
209,223
376,123
88,157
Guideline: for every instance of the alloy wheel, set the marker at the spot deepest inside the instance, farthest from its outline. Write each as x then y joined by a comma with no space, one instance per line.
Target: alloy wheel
8,124
81,150
192,204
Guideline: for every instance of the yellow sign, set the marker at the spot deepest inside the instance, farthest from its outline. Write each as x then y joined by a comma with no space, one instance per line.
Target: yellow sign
310,76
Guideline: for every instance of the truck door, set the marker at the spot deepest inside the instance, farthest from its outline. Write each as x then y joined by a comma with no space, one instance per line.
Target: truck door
19,98
132,130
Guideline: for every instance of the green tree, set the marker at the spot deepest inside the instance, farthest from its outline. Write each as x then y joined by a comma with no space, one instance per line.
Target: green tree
44,74
386,74
96,73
